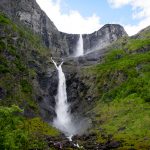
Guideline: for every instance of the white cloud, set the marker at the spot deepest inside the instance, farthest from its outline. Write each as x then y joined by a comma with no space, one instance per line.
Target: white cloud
71,22
74,22
133,29
141,11
118,3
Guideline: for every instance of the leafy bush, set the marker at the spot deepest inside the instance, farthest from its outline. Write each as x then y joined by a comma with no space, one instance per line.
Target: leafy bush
26,86
12,135
17,132
4,19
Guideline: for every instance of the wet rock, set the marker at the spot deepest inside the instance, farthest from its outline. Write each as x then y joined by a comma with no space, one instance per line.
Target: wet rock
2,93
35,65
28,112
43,81
121,128
113,144
61,142
48,83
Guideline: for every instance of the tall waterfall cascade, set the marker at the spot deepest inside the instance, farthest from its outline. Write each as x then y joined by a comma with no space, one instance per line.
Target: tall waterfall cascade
63,120
79,49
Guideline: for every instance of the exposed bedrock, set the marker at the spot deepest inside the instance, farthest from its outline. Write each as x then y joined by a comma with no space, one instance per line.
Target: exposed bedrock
61,44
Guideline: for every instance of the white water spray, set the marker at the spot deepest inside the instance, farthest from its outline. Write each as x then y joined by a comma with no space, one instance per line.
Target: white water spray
79,50
63,121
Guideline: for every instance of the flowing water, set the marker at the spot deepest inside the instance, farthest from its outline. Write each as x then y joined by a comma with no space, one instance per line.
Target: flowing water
79,50
63,121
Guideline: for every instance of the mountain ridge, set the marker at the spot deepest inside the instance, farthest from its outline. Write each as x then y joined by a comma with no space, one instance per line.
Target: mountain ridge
62,44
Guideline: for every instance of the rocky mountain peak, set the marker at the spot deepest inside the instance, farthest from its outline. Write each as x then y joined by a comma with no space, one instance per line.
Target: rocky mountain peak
61,44
27,12
103,37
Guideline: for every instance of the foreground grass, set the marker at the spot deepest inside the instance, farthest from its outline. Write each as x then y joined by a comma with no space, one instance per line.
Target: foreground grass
17,132
126,120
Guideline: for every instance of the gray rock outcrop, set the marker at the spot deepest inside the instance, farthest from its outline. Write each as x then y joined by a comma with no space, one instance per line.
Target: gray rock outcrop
103,37
61,44
29,13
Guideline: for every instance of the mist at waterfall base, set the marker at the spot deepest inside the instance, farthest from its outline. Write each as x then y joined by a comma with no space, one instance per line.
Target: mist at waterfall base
79,50
64,120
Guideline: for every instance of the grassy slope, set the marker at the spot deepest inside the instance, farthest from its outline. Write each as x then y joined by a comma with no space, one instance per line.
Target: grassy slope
17,44
122,112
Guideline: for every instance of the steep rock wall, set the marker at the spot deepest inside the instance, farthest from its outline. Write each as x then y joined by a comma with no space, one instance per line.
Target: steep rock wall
103,37
61,44
28,13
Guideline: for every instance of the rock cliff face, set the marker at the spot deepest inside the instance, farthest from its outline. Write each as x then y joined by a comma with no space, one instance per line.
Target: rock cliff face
103,37
69,42
62,44
28,13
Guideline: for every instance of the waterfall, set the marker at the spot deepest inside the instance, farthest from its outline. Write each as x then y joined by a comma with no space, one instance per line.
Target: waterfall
79,50
63,121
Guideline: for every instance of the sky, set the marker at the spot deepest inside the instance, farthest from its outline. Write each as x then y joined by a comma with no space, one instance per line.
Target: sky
87,16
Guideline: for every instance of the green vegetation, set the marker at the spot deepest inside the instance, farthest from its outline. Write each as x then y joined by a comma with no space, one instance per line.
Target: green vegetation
135,44
11,135
38,130
17,46
17,132
26,86
127,120
123,85
4,20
